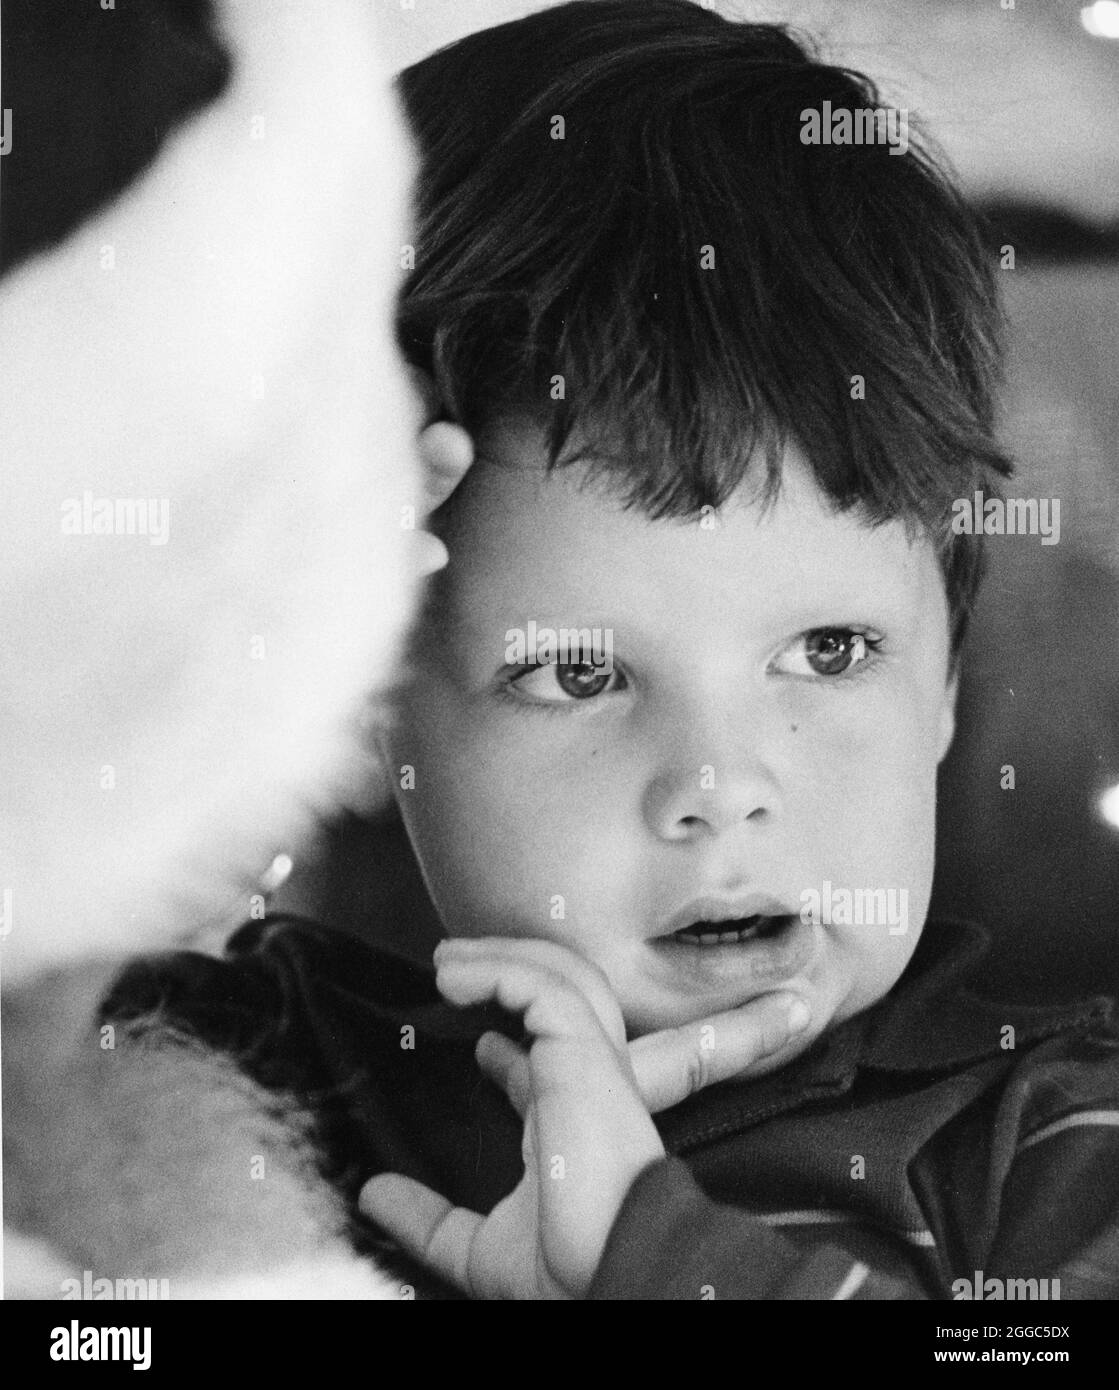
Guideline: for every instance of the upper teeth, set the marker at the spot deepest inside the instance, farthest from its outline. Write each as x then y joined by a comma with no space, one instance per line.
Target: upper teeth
715,938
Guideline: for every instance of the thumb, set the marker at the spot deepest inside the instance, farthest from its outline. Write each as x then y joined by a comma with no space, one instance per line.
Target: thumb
675,1063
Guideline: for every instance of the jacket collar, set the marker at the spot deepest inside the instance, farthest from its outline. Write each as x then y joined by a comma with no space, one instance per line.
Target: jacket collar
929,1023
934,1018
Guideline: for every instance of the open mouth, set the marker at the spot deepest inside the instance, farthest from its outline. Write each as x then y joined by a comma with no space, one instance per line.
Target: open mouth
730,933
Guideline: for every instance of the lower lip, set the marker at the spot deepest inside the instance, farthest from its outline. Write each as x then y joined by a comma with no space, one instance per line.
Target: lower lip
761,960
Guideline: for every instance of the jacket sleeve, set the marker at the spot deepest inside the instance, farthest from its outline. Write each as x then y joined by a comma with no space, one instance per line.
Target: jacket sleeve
1049,1176
671,1241
1059,1202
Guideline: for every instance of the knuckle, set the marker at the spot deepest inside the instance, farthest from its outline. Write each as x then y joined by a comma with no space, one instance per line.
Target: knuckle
774,1032
698,1071
772,1036
583,983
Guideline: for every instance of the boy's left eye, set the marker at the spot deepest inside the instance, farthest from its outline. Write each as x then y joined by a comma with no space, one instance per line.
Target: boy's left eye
827,651
555,683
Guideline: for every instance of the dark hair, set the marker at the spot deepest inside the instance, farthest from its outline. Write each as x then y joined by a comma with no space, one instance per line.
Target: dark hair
581,257
95,96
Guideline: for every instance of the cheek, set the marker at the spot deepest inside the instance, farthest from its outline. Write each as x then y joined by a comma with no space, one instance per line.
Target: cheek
867,788
486,822
518,822
870,816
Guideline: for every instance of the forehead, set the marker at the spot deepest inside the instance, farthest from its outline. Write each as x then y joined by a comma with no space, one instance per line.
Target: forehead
559,545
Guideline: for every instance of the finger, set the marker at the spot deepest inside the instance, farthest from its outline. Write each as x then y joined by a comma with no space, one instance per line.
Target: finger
507,1066
551,958
550,1005
426,1225
674,1064
587,1131
446,451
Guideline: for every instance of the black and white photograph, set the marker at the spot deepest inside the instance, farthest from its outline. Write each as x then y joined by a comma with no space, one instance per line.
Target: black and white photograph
559,664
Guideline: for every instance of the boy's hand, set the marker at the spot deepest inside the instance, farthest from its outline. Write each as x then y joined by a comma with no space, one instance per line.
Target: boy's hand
587,1132
585,1096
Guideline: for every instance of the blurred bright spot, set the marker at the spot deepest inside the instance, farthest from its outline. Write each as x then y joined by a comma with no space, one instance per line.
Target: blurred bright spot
1101,19
1109,806
281,867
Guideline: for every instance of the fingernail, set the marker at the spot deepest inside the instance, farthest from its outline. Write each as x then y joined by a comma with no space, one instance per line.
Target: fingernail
798,1016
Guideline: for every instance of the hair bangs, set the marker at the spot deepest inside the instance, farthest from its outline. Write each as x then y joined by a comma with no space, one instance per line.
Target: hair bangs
624,236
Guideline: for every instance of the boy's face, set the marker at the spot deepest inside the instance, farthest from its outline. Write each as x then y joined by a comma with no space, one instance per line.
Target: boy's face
749,746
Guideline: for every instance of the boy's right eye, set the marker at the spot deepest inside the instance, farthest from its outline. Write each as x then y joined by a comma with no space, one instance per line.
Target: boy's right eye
557,683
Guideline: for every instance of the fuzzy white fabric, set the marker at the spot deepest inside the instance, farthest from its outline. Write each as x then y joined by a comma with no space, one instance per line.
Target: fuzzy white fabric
132,1153
174,714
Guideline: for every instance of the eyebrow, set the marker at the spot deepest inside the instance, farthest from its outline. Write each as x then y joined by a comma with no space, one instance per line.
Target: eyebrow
477,634
844,605
871,595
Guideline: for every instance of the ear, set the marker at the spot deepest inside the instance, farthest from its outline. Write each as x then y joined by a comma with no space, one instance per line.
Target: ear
948,713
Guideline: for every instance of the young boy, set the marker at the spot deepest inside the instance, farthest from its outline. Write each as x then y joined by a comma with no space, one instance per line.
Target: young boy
667,745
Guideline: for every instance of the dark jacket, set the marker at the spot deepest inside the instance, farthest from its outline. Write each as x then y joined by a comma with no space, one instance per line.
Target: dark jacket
933,1143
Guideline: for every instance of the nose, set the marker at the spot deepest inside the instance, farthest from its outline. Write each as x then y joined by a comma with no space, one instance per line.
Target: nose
698,797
